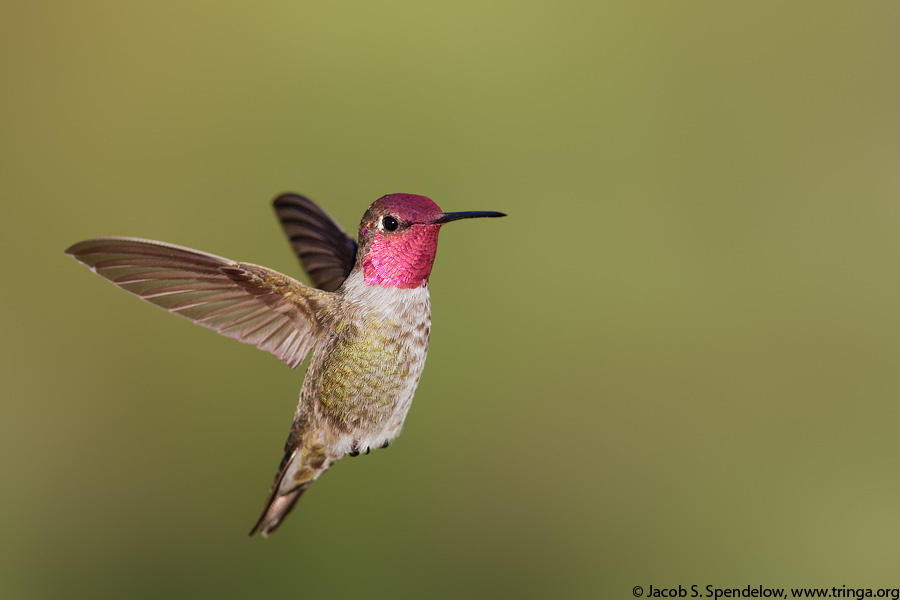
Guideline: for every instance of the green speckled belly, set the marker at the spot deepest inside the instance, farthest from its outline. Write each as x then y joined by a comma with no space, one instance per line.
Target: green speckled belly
362,379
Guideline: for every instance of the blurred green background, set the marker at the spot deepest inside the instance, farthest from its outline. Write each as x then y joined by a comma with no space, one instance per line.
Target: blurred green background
675,362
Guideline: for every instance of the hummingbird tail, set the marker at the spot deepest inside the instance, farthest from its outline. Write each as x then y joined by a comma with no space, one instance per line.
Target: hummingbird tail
278,507
299,468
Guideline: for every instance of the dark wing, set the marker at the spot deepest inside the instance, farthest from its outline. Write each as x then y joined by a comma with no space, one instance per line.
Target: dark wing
242,301
325,251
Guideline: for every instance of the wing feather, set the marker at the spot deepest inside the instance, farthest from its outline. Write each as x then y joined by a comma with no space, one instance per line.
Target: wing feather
246,302
326,253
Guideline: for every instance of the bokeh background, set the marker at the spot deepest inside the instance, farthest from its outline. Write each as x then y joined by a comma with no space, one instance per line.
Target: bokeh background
674,363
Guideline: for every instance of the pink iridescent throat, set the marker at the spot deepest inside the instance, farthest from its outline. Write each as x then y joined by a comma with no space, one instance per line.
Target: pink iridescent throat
404,260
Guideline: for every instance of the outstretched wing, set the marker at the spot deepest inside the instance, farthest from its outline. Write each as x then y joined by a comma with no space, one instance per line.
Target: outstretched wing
242,301
325,251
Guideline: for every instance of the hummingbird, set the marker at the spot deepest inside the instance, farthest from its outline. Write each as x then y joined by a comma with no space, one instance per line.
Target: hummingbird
366,321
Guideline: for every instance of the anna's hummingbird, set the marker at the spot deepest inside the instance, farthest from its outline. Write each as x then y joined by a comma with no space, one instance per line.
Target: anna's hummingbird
367,322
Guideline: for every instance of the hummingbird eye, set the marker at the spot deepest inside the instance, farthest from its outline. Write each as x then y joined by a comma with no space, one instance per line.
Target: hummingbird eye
390,223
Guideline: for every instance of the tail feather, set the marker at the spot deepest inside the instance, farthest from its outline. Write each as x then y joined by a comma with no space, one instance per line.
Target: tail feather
277,508
299,468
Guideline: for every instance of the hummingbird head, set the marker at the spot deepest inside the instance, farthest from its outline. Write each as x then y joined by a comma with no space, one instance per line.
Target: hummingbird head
398,239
